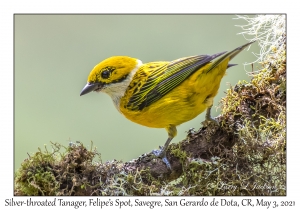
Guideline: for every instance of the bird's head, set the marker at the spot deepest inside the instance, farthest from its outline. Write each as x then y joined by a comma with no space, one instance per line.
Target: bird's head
112,76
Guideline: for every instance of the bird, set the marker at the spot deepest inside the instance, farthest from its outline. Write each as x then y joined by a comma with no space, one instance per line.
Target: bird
162,94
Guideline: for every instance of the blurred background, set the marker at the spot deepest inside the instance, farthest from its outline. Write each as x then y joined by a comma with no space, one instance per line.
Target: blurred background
53,55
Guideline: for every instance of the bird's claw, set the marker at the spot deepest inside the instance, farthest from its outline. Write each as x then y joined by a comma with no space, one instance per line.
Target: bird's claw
207,121
162,154
213,121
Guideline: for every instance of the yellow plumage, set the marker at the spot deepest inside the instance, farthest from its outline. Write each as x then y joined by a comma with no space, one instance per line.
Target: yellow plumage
181,104
161,94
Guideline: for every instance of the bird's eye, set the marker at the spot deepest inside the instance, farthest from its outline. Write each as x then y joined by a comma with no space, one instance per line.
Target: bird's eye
105,74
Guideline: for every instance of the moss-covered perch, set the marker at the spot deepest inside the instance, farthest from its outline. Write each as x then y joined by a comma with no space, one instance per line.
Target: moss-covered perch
245,155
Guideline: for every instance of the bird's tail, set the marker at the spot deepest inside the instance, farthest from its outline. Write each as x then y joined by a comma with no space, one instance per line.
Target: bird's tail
228,55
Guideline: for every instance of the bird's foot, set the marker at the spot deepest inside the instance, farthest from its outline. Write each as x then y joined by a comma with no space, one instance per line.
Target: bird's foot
209,120
161,153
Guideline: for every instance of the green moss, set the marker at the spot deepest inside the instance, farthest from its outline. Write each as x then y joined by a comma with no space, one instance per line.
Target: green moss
36,175
177,152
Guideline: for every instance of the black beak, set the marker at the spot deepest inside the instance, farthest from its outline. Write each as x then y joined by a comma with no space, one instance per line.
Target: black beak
89,87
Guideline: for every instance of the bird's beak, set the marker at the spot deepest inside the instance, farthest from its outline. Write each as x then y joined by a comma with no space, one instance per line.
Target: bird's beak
89,87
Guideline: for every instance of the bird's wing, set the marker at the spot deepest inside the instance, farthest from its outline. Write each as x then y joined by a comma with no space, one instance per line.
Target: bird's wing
148,85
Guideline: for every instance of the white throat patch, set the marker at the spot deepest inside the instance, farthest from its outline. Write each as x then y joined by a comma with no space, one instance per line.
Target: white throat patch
117,90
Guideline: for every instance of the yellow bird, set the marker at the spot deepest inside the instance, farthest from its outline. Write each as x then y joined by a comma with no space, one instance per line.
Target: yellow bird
161,94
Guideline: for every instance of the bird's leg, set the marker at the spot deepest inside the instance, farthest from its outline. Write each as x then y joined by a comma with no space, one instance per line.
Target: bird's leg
209,103
208,117
161,153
